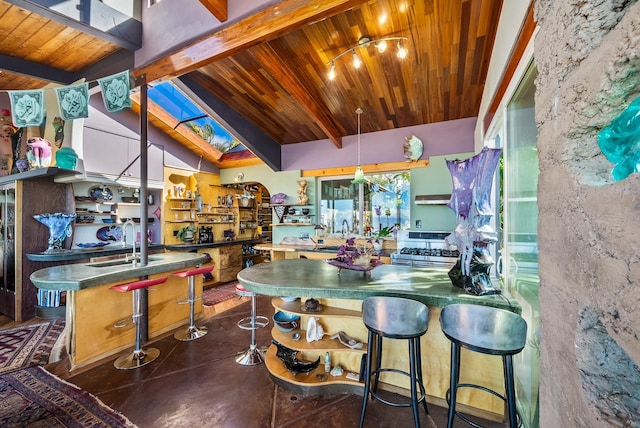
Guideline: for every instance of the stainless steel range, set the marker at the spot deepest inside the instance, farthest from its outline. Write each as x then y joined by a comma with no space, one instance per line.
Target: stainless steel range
424,249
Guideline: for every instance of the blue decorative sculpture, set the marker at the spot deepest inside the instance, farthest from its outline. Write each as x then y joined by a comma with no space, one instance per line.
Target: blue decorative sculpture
472,179
620,141
59,225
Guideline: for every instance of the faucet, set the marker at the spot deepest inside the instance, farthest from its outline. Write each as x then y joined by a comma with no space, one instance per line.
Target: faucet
133,239
345,227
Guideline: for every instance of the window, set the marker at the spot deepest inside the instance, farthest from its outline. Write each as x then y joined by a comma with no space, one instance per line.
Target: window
187,112
382,201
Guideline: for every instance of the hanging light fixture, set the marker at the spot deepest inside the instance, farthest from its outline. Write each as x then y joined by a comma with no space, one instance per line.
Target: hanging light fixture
402,51
359,175
380,44
332,72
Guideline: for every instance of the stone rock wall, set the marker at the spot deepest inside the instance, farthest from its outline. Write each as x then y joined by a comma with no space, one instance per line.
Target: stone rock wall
587,55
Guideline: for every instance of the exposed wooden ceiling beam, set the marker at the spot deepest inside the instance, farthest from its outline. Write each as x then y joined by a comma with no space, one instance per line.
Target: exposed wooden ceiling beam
265,25
116,62
270,61
217,7
246,132
91,17
33,69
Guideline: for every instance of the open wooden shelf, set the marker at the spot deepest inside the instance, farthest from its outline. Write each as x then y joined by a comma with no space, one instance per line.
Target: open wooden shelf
277,369
326,312
323,345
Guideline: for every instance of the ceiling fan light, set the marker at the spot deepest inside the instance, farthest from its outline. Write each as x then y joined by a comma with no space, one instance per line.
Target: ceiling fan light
402,51
356,61
382,46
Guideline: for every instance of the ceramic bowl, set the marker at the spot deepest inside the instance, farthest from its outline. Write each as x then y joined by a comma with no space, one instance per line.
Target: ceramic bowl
288,299
285,321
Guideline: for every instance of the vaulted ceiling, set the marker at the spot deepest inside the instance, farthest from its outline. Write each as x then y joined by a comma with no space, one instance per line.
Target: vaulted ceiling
267,74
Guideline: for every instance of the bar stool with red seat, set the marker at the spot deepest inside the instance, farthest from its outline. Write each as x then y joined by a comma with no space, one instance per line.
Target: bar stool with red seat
252,356
139,357
192,332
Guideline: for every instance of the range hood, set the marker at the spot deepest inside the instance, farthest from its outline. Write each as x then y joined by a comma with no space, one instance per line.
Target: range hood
432,199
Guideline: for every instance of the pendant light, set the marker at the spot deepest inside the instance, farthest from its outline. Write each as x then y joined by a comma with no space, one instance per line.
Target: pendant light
359,175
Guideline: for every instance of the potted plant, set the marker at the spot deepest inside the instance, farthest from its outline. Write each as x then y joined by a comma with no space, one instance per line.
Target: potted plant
379,235
185,234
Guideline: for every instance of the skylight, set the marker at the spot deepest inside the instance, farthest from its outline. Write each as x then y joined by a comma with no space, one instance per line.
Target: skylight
177,104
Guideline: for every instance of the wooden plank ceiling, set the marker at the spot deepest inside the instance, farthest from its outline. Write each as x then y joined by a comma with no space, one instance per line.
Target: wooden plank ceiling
271,67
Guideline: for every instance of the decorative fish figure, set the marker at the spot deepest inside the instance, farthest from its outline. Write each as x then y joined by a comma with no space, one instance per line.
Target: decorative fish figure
291,361
412,148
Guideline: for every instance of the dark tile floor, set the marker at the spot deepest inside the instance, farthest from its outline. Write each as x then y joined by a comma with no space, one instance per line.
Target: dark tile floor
199,384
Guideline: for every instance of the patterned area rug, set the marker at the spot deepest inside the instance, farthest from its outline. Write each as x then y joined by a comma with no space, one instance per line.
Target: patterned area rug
30,345
33,397
219,294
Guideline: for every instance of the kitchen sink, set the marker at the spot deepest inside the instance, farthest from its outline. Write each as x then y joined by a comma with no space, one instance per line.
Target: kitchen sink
119,262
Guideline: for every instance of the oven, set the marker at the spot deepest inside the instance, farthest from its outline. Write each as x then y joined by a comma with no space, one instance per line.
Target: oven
424,250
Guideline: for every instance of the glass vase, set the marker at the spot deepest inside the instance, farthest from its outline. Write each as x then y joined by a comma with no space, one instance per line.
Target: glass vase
59,225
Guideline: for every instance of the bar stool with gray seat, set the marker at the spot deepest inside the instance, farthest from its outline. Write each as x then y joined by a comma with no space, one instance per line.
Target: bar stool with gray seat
395,318
489,331
139,357
192,332
253,355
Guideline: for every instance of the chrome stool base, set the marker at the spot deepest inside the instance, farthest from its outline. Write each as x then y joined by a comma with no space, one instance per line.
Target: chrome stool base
251,357
136,359
191,333
250,324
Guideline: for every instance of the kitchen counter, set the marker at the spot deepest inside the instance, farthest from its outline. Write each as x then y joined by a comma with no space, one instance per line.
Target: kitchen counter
300,277
340,296
80,276
194,247
89,253
92,307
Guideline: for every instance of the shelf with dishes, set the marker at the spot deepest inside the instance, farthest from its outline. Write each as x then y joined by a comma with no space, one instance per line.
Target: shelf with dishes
289,214
334,320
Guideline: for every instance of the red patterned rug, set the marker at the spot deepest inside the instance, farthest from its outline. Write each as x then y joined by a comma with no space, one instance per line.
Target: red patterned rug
30,345
33,397
219,294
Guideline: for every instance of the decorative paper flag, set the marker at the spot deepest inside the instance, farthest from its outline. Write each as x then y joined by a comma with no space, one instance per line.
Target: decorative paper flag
73,101
115,91
27,107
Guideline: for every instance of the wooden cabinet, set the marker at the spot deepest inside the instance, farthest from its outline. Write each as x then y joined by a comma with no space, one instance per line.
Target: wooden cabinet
265,215
336,315
227,261
22,234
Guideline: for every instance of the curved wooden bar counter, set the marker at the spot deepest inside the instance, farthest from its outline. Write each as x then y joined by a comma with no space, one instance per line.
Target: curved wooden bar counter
341,296
92,308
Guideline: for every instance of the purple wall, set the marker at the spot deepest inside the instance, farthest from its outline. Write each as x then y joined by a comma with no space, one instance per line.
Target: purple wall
442,138
185,21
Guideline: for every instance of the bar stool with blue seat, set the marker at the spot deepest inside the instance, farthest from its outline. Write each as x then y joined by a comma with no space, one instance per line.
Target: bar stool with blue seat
192,332
394,318
253,355
139,357
486,330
